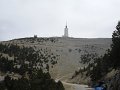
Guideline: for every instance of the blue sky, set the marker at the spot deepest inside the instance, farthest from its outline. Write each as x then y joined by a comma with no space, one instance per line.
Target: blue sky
47,18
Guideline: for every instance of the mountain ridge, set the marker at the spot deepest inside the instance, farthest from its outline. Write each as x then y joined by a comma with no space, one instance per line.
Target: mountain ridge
69,51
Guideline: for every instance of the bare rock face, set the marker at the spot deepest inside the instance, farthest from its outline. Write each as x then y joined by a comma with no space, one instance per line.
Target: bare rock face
114,83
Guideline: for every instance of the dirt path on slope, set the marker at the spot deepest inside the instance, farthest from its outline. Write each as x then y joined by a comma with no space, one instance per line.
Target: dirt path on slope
69,86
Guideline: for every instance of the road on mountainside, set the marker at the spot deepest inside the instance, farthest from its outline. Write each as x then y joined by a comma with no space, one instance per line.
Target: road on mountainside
69,86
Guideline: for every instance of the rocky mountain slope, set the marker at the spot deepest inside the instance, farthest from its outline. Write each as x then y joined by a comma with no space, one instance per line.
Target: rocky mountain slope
67,52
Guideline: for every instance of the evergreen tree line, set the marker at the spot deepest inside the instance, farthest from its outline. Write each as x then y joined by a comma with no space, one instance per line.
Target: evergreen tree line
24,58
37,81
110,60
13,59
100,66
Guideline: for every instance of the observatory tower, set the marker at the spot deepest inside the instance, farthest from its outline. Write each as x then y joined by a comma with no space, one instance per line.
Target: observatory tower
66,31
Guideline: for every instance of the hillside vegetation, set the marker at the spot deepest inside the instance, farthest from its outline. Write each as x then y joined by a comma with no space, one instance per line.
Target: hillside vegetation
57,58
104,68
25,68
66,52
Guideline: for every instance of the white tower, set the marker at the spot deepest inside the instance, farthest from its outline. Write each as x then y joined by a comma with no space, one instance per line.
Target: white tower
66,31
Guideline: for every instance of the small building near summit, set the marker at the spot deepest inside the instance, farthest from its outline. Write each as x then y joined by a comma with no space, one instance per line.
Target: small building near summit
35,36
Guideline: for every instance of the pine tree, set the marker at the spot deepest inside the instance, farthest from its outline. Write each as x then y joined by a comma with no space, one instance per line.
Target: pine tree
115,51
